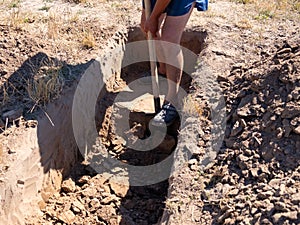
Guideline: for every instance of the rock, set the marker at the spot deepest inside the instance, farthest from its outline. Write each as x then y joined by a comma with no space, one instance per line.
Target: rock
257,141
46,196
287,127
237,129
290,111
135,133
248,152
265,221
275,183
241,159
279,132
244,108
89,192
67,206
288,215
280,206
95,203
50,212
67,217
109,199
296,198
68,185
282,52
77,204
281,190
297,130
225,215
294,121
119,189
253,210
100,179
254,172
233,192
230,142
106,212
229,221
239,205
84,179
193,162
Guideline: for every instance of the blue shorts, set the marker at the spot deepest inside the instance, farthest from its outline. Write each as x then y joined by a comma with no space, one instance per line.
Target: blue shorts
182,7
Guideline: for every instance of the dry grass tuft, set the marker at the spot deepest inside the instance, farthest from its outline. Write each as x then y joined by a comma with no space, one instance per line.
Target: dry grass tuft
15,20
53,26
88,40
244,24
46,85
5,97
192,107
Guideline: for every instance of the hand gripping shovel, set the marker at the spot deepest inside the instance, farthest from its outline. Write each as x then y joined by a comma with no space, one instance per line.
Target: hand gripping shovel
152,54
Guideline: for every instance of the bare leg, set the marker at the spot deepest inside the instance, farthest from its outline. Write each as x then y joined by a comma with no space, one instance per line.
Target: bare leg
171,32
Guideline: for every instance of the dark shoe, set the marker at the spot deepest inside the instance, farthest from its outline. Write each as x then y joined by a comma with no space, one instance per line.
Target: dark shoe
146,77
166,116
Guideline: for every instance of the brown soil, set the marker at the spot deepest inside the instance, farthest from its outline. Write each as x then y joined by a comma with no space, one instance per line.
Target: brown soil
255,176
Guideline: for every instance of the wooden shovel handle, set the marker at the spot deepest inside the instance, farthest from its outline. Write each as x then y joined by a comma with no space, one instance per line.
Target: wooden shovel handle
152,54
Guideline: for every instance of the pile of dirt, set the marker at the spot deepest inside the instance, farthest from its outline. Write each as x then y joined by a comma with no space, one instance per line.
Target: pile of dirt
90,198
256,176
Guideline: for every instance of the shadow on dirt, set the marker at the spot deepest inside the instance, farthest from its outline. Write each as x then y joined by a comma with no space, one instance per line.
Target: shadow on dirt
43,89
31,97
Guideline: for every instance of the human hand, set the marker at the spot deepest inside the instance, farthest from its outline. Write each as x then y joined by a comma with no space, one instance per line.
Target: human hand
151,24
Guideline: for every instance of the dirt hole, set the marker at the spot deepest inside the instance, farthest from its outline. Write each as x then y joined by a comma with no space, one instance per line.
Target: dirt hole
89,197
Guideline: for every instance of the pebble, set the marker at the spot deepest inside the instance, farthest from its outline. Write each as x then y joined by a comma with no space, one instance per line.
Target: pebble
119,189
109,199
237,129
296,198
78,205
289,215
68,185
95,203
84,179
297,130
67,217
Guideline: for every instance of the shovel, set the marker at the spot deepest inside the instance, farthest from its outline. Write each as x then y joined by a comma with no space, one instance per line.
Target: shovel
152,54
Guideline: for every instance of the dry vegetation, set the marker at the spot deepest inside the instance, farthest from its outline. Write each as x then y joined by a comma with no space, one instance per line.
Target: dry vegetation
70,34
272,8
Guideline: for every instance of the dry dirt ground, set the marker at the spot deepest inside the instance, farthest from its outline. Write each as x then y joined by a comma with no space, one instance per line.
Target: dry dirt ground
252,49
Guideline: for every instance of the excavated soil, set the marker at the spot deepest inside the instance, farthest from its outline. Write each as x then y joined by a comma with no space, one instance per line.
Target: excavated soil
252,178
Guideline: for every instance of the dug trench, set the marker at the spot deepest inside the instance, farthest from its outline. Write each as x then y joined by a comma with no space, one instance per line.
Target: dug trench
60,184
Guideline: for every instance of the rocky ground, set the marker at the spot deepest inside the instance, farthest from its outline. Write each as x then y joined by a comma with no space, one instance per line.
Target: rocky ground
255,179
254,53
